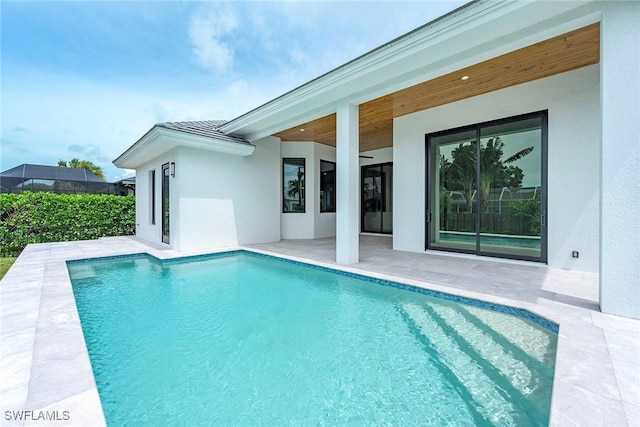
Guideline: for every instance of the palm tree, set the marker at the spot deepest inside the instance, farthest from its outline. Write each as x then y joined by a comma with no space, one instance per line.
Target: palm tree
464,170
83,164
491,163
493,169
296,187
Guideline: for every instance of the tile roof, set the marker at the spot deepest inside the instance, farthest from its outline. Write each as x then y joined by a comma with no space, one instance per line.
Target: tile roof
208,128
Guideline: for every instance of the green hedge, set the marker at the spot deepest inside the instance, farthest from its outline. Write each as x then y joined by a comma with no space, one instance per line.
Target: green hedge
47,217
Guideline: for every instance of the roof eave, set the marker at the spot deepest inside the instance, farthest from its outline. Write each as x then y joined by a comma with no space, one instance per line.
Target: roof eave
159,140
385,69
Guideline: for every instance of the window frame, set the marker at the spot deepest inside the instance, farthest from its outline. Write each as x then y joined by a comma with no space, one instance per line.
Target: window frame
543,115
165,228
152,194
290,160
335,187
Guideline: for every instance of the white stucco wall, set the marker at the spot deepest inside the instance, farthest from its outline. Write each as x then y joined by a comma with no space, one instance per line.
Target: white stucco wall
217,199
228,200
620,198
572,101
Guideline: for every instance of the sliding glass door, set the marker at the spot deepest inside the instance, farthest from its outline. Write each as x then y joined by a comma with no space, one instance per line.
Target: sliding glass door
487,188
377,198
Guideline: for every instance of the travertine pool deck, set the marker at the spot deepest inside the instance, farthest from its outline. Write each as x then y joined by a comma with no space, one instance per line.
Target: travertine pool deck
45,368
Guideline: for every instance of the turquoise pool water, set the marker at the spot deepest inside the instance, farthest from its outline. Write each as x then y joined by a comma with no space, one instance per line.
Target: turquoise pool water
244,339
492,240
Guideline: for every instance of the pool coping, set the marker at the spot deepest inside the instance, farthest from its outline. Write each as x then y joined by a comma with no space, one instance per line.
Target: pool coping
46,369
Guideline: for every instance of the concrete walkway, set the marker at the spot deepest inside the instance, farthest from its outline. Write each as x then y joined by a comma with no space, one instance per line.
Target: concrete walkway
45,368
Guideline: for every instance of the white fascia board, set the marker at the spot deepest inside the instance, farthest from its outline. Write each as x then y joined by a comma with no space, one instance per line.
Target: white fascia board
208,143
129,159
477,32
160,140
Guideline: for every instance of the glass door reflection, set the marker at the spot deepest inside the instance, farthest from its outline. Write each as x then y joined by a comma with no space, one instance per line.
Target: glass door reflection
453,199
486,188
510,188
377,198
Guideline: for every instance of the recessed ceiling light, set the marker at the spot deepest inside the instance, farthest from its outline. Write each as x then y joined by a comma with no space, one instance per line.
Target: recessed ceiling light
464,78
301,129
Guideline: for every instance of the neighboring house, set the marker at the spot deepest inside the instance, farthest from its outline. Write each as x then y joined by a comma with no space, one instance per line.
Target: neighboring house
126,186
56,179
506,129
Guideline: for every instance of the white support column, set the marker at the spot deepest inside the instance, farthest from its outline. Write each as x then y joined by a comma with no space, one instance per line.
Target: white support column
620,174
347,151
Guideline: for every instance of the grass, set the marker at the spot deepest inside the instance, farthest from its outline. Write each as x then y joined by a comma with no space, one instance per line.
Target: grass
5,265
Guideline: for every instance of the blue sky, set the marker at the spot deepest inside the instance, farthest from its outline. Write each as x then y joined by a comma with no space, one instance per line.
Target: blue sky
87,79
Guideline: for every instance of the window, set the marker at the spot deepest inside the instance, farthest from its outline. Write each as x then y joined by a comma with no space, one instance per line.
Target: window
487,188
293,185
152,196
166,211
327,186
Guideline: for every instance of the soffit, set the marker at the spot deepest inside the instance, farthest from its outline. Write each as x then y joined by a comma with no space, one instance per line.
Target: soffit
566,52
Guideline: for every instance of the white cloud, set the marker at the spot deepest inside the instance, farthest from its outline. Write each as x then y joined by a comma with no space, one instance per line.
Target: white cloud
70,117
49,115
89,152
125,173
207,34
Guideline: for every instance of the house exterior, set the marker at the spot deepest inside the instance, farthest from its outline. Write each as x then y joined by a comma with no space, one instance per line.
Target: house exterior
503,129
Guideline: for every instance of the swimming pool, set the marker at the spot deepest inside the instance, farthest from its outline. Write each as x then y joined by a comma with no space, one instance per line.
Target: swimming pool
244,339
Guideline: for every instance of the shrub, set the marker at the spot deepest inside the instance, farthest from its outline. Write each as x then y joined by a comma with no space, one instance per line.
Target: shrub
46,217
526,216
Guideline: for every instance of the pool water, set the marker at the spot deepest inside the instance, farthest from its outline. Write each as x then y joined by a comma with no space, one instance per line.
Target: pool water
244,339
491,239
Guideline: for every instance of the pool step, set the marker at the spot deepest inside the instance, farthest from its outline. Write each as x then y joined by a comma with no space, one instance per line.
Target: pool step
514,371
535,343
510,368
487,400
514,327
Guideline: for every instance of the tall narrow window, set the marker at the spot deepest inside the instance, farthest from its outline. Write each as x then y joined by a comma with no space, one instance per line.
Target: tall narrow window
487,188
327,186
152,196
165,204
293,185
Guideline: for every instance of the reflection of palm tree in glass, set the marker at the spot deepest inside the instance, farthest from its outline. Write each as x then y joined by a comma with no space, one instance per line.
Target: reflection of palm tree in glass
493,169
464,171
491,164
296,187
166,213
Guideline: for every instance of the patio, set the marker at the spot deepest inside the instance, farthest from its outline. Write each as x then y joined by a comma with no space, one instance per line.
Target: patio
45,365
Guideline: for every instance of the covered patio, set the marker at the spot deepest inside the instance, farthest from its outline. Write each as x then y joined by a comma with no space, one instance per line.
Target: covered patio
514,280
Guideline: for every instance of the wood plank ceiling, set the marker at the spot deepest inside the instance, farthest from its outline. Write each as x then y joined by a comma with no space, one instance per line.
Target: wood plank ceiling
560,54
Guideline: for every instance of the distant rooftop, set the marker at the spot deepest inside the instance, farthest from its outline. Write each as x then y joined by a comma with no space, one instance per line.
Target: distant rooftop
28,171
207,128
131,180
